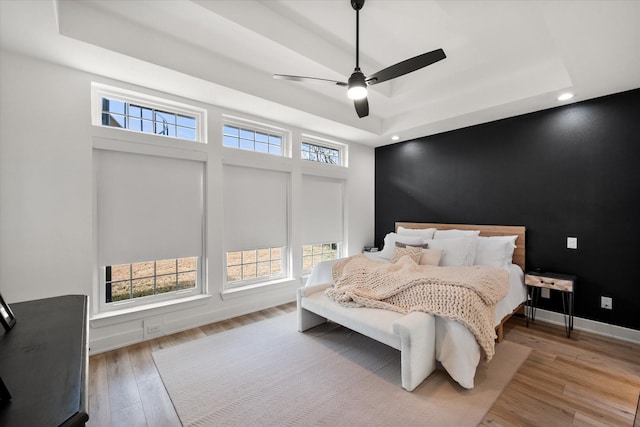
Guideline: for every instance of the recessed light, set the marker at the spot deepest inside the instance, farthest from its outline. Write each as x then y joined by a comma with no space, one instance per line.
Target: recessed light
395,138
565,96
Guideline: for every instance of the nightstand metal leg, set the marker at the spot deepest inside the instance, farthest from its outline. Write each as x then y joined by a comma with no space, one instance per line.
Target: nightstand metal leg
567,300
527,307
571,307
532,303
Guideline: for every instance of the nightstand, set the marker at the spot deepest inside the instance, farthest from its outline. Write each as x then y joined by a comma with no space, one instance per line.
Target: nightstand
564,283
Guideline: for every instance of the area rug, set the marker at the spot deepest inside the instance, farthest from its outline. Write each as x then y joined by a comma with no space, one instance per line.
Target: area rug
268,374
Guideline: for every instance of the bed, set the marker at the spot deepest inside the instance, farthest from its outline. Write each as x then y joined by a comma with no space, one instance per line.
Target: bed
451,343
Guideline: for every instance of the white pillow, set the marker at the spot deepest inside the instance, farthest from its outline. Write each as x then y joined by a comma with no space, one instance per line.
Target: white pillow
455,234
495,251
456,252
390,240
426,233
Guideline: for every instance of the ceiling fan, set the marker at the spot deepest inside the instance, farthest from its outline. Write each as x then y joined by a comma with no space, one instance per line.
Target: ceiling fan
357,83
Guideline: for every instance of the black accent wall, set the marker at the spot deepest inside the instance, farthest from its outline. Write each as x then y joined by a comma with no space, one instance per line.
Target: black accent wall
571,171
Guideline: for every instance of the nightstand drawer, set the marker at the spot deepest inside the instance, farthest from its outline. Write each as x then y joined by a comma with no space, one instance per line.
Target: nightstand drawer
551,282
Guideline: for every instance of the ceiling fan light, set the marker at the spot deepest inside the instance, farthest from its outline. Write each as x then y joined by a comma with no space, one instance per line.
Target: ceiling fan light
357,92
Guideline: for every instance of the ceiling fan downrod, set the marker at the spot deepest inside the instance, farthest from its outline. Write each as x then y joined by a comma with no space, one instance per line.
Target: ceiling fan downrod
357,84
357,5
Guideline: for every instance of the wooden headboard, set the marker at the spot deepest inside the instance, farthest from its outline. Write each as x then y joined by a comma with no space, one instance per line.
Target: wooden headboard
485,230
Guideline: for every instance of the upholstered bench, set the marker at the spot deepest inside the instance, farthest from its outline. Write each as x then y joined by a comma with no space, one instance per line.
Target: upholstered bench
413,334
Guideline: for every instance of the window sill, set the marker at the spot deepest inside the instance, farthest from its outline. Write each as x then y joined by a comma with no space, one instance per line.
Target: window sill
256,288
108,318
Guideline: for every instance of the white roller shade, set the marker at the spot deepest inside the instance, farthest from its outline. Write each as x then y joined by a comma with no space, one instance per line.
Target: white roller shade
255,208
148,207
322,210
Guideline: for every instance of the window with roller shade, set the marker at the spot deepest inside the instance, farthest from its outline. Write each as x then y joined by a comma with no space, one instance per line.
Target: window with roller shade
322,220
256,210
150,226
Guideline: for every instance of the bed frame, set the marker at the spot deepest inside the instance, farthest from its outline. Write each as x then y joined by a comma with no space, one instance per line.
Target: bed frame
487,231
414,334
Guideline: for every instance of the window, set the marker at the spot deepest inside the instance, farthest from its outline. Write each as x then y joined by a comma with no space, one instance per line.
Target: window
321,150
255,206
150,226
322,219
246,138
121,114
255,264
312,255
135,112
128,281
320,154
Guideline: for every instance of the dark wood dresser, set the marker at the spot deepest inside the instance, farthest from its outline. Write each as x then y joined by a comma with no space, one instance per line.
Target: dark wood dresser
43,363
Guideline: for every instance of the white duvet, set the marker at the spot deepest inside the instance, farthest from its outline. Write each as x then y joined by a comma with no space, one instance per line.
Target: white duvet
456,348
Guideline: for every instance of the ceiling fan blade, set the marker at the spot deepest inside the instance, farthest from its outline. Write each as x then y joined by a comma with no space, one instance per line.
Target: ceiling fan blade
362,107
406,67
308,79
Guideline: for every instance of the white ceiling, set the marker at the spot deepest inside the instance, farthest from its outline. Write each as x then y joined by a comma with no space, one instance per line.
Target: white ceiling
504,58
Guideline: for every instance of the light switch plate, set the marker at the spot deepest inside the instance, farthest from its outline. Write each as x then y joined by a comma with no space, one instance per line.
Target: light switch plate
572,243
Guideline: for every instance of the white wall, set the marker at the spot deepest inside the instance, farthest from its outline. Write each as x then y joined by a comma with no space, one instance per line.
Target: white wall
46,201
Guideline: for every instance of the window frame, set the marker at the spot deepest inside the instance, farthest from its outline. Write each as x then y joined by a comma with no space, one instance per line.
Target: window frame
254,126
303,256
100,91
231,244
325,143
155,297
147,300
258,280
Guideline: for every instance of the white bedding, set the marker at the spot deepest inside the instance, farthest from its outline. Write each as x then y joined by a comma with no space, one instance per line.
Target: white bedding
456,348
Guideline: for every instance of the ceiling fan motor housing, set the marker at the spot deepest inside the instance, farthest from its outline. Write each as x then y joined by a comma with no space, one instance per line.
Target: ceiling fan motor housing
357,85
357,4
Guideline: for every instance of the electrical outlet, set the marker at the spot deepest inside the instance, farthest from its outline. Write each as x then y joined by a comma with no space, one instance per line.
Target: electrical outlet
572,243
152,328
545,293
606,303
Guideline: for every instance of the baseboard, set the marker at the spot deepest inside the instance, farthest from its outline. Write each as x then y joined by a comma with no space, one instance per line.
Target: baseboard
593,326
115,341
132,333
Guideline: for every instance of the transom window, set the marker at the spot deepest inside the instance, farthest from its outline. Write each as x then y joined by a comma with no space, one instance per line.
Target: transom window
126,282
254,264
138,118
312,255
136,112
246,138
320,153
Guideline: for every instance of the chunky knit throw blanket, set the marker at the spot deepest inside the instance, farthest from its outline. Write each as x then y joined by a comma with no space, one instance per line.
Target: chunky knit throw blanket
465,294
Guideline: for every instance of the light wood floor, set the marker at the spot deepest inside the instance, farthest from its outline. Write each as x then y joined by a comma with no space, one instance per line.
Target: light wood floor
587,380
